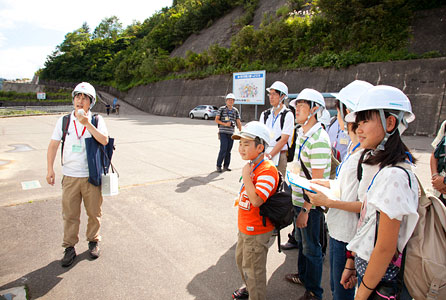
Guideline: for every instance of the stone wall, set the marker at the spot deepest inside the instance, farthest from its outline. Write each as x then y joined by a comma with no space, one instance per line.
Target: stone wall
424,81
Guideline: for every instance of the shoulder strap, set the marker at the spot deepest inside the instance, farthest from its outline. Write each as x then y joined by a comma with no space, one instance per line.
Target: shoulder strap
65,124
266,114
94,120
306,172
359,168
282,118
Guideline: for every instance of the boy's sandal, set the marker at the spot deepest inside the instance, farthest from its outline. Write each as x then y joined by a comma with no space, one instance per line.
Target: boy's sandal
294,278
241,293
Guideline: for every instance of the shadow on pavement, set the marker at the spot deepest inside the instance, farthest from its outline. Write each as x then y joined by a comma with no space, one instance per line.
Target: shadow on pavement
43,280
219,280
222,279
184,186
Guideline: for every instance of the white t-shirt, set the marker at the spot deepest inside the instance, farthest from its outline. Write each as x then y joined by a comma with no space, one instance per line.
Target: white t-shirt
273,122
75,157
342,224
389,193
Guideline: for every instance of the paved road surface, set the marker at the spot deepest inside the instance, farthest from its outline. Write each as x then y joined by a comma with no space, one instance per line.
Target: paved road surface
169,234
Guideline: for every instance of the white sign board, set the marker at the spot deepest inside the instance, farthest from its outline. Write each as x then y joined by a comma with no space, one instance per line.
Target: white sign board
249,87
41,96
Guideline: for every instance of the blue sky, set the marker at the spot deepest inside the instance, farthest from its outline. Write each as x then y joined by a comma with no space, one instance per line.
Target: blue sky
30,30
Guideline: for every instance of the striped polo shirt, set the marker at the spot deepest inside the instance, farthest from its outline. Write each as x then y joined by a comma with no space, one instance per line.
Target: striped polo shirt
315,153
226,115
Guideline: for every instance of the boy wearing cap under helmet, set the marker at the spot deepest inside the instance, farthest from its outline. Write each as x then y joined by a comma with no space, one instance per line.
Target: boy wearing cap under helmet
260,181
75,185
228,117
312,152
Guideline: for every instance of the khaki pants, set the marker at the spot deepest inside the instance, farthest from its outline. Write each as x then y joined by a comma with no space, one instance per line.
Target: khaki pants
250,255
74,190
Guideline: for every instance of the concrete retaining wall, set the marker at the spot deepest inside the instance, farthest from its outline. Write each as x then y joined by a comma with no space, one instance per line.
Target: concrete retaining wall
424,81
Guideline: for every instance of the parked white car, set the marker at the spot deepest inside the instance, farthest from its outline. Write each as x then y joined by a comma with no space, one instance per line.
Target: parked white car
204,111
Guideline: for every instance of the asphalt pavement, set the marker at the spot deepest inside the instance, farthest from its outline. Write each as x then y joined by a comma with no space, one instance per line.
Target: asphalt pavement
169,234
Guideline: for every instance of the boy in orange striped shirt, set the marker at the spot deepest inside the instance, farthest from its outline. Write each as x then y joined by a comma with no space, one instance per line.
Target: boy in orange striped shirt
260,180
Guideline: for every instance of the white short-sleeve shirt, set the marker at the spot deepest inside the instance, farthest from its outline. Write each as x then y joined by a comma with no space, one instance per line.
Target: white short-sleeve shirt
342,224
273,122
389,193
75,163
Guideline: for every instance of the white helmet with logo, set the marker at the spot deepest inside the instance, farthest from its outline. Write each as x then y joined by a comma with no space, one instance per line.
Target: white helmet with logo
230,96
389,99
87,89
252,130
279,86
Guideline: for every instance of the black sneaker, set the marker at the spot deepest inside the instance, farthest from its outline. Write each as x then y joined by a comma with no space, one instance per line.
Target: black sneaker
219,170
227,169
68,257
93,249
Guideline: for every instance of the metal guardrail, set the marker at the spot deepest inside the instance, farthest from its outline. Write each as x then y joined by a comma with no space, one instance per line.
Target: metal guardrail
59,108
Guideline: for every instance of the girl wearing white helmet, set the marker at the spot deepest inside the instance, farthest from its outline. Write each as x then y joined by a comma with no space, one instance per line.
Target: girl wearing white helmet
260,180
342,216
389,199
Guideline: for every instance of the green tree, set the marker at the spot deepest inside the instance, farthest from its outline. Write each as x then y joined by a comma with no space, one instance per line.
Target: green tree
109,28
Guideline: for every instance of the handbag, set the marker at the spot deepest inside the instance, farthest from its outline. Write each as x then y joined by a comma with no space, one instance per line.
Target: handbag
388,290
110,184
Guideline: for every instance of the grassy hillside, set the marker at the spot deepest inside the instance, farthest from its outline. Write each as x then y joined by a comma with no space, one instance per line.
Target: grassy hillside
327,33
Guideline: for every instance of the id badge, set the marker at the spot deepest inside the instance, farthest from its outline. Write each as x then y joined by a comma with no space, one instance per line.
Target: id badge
76,149
226,118
344,141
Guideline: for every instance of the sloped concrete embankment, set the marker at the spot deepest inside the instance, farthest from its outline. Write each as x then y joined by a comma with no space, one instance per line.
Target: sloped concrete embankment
424,81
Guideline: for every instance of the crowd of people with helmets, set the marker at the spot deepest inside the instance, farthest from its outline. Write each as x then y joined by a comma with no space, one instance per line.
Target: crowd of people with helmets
371,188
369,221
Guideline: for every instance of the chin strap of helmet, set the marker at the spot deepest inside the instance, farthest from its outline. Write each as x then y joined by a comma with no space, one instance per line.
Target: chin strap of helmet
280,101
319,108
399,119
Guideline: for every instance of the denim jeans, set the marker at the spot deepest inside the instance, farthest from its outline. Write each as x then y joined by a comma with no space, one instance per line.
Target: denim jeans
309,262
225,150
337,265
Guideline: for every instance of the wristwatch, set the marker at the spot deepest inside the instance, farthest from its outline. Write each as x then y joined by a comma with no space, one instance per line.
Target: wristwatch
305,210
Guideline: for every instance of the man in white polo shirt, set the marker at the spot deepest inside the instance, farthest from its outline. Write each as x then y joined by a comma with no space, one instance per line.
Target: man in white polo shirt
282,135
75,185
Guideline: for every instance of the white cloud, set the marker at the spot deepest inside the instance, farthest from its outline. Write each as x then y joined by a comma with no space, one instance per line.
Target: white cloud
22,62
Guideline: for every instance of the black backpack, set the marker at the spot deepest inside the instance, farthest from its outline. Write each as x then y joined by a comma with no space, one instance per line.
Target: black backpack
278,208
292,147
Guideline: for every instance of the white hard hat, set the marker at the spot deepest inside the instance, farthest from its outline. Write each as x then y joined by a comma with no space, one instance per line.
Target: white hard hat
279,86
385,98
87,89
349,95
326,118
309,95
230,96
252,130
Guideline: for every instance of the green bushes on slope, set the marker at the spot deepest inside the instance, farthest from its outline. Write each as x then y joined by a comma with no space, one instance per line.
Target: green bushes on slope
327,33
